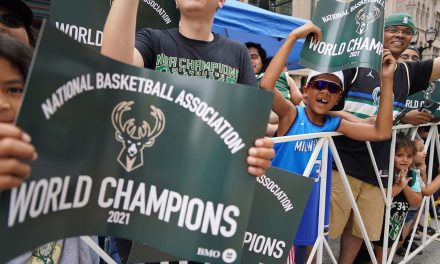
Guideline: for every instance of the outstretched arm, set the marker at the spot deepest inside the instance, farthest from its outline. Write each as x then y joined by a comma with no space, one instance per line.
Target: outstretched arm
381,130
15,150
435,75
348,116
285,110
433,187
120,31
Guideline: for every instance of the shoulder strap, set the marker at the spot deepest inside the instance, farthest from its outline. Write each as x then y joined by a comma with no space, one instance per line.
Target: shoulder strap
407,76
355,75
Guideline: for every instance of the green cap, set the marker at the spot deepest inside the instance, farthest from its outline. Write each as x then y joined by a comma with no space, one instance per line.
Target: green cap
400,19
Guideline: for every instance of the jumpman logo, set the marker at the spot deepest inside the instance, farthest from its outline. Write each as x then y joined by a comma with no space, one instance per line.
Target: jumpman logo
370,74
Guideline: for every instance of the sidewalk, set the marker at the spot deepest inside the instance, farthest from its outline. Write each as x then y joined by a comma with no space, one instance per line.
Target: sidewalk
431,254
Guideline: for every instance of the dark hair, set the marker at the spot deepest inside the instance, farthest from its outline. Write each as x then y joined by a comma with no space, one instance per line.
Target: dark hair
20,8
261,52
412,47
403,141
17,53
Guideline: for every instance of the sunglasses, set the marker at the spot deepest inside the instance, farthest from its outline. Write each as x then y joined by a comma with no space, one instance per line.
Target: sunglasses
407,57
11,20
320,85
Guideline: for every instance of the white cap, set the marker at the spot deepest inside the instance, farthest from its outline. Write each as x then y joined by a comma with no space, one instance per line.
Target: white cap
338,74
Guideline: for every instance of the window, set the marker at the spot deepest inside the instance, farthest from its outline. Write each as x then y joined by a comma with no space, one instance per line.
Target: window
278,6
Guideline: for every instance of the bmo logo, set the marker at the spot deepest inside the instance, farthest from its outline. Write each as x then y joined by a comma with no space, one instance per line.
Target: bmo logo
228,256
211,253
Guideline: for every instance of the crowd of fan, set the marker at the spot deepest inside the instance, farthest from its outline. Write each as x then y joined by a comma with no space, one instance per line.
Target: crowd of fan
319,105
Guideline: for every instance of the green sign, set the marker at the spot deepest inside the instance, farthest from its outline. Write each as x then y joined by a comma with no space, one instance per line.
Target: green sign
132,153
84,20
418,99
279,201
352,35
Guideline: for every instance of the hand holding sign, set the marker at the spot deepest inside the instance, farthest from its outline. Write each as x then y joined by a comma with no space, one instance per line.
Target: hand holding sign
415,118
260,156
305,30
388,66
15,149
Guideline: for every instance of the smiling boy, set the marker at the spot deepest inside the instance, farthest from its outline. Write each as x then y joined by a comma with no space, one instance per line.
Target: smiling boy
321,93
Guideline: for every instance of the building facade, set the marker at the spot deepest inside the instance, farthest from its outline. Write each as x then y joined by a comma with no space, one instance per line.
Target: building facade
296,8
426,14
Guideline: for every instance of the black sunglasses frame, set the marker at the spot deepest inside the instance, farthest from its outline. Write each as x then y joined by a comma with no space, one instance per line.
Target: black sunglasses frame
320,85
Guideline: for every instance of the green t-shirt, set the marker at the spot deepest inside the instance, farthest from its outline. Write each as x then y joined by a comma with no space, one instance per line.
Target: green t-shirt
282,84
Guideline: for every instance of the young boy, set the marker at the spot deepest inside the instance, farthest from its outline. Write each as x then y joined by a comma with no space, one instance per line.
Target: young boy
321,93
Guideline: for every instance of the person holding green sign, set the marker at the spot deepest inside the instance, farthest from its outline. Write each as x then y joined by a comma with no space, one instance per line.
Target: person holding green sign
414,117
321,93
190,44
179,51
362,99
15,146
16,152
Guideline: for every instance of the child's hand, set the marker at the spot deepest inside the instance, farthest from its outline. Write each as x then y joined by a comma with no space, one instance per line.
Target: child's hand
305,30
402,180
388,65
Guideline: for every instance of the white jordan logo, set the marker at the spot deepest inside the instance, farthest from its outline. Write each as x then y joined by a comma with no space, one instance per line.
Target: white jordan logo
370,74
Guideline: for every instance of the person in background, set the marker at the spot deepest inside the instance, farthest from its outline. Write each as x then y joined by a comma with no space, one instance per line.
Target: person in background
285,84
259,59
414,117
420,170
406,192
410,54
364,83
16,21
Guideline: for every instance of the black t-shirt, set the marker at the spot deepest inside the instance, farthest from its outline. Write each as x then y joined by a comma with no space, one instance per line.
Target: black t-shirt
362,99
398,212
221,59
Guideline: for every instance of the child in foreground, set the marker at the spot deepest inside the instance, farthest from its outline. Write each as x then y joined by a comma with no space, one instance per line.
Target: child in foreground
406,191
321,93
420,170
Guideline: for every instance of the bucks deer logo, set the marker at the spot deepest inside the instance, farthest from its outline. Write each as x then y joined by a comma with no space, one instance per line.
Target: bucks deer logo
135,138
363,18
428,92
